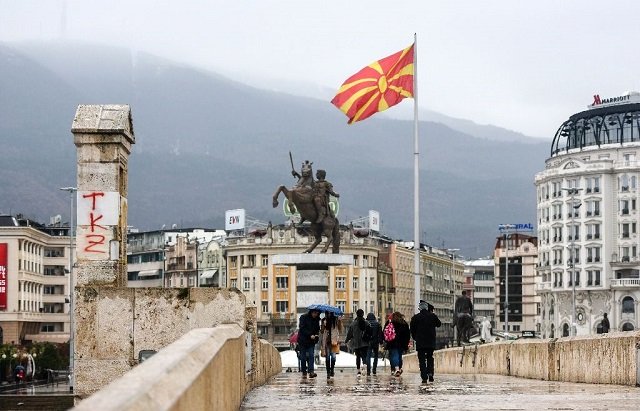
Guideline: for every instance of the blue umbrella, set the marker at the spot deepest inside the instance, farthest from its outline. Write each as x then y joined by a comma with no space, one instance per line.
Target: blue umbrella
326,308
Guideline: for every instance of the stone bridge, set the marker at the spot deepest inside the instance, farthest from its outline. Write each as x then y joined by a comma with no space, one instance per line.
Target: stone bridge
208,354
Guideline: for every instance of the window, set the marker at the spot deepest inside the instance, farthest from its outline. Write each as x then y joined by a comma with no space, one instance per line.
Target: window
341,304
282,283
246,283
265,260
355,306
234,283
233,261
593,277
593,254
340,283
282,306
265,306
593,208
250,260
372,284
47,328
355,282
365,261
628,305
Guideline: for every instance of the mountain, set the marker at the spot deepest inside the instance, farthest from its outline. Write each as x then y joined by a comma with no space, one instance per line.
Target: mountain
205,144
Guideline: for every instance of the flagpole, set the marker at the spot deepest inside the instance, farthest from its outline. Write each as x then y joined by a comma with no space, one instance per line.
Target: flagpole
416,179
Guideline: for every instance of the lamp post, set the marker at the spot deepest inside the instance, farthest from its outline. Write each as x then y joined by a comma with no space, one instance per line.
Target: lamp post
72,327
572,192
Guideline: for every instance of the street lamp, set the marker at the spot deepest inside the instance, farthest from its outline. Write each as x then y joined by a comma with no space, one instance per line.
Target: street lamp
573,191
72,327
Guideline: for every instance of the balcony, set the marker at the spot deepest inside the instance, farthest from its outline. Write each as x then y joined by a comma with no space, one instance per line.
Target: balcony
381,288
624,211
625,283
282,318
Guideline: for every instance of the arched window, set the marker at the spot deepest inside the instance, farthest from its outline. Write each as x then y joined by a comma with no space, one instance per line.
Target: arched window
565,330
627,327
552,331
628,305
551,309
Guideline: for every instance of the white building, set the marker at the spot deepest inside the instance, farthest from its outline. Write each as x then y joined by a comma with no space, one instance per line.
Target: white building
594,152
483,288
34,281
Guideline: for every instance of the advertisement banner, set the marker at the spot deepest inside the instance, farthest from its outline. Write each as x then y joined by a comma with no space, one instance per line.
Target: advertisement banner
4,256
234,219
374,220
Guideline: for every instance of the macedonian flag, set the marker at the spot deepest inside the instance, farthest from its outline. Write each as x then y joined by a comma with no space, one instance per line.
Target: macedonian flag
380,85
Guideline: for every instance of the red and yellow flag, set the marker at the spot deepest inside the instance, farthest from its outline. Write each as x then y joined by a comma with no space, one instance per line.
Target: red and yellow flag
380,85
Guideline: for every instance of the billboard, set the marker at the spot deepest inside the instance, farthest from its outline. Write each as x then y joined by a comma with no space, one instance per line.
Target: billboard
3,276
374,220
234,219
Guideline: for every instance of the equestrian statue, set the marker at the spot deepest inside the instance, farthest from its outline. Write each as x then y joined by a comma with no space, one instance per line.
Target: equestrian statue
463,318
311,199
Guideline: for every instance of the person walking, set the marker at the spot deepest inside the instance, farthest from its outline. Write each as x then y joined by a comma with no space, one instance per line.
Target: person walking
308,333
374,345
331,329
423,331
397,336
356,339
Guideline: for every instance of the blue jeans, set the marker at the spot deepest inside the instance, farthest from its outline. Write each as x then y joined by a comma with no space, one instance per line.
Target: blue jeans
306,356
395,358
372,353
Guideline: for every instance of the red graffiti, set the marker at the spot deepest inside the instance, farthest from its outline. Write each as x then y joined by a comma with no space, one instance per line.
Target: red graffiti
93,197
95,240
93,222
94,243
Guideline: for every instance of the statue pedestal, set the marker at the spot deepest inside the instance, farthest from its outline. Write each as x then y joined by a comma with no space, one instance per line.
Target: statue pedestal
312,276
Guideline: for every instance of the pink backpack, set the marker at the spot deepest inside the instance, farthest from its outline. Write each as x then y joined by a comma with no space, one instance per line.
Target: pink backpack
389,332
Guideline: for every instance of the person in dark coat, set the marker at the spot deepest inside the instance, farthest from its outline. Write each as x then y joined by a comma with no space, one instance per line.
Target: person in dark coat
399,344
308,335
374,344
356,342
605,324
423,331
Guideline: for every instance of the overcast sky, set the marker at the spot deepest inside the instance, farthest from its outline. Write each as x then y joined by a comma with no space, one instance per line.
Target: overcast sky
522,65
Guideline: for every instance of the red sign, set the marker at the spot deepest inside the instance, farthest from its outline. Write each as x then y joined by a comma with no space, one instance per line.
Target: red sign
3,276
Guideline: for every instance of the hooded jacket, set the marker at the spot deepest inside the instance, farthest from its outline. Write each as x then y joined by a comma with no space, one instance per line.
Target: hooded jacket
376,331
354,335
423,329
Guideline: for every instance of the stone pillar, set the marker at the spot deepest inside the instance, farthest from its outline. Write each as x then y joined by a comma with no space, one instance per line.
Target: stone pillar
103,135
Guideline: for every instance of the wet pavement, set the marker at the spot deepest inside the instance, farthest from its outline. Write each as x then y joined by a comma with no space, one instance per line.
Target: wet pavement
289,391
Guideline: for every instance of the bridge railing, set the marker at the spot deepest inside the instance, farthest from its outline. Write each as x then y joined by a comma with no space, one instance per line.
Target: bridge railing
206,369
612,358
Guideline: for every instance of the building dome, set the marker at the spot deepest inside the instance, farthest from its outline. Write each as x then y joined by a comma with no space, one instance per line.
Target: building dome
613,120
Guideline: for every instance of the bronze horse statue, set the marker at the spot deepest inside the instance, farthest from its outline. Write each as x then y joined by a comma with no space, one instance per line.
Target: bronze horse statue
301,199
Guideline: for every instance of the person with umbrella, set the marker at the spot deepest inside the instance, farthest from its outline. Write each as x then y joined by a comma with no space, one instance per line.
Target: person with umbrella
308,334
331,328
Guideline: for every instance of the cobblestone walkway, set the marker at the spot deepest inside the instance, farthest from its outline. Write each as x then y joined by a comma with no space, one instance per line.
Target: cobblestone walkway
288,391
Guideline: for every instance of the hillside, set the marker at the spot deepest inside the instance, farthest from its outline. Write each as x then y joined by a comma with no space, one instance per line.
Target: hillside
205,144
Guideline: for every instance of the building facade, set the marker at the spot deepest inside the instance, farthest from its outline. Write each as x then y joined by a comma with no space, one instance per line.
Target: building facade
273,288
34,281
521,251
587,204
483,291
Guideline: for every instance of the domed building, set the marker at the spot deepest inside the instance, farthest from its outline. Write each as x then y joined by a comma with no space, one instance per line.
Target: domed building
587,211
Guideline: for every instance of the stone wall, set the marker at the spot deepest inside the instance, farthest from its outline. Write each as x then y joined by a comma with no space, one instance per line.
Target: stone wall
203,370
604,359
114,324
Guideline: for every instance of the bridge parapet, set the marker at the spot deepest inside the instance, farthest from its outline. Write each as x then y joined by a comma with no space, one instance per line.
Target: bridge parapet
203,370
612,358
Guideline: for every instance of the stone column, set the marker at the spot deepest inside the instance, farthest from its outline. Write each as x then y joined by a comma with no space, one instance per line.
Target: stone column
103,135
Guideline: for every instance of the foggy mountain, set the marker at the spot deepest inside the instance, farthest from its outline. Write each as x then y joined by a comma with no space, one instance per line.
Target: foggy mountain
205,144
